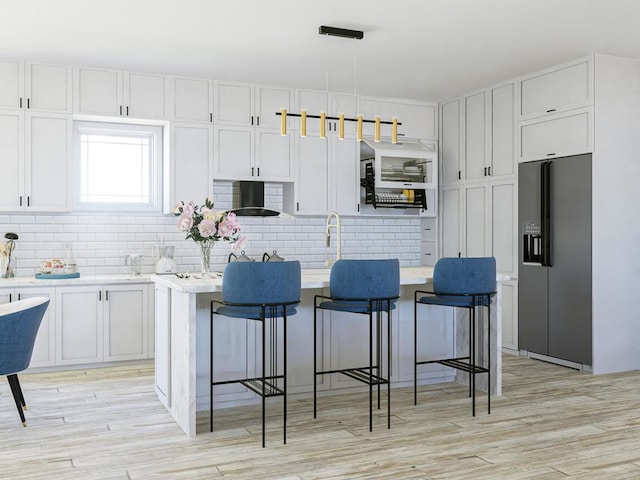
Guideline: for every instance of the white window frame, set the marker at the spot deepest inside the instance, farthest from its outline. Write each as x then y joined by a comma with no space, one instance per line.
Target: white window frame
98,127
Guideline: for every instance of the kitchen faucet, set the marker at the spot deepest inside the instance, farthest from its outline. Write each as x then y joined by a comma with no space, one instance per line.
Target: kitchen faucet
337,226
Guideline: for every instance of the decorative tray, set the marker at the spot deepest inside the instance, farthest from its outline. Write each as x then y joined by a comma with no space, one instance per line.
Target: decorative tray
56,276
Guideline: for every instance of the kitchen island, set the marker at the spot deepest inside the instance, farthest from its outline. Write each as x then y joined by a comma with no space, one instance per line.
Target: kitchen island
182,308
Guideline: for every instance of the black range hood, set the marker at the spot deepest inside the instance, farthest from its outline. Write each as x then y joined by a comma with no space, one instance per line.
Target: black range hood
252,201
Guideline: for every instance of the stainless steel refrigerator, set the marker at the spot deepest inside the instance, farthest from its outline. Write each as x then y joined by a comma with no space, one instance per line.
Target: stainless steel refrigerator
554,279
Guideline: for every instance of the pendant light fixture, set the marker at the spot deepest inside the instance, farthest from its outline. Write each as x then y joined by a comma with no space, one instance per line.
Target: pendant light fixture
360,121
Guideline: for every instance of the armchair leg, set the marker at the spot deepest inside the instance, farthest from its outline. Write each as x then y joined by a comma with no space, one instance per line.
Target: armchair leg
16,391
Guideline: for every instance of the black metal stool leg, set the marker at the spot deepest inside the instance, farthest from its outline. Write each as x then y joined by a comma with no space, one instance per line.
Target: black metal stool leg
284,373
16,391
488,355
473,361
264,393
315,360
388,366
415,352
211,372
370,371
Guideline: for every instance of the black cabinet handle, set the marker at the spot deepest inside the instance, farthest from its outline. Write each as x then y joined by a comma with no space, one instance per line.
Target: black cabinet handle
20,102
551,110
485,171
252,171
211,117
489,170
258,171
19,296
20,200
251,119
106,295
550,154
459,174
297,206
10,297
28,103
28,200
127,110
120,110
99,295
258,121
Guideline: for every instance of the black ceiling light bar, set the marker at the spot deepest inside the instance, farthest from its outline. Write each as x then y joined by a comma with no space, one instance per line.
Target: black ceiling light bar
341,32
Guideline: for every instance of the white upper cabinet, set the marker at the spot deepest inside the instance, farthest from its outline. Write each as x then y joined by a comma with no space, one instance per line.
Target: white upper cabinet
557,89
117,93
418,120
192,100
191,167
450,143
475,138
250,105
557,136
503,151
36,160
35,86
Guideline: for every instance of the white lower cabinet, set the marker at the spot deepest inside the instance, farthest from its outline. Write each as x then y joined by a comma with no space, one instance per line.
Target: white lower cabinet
101,323
43,354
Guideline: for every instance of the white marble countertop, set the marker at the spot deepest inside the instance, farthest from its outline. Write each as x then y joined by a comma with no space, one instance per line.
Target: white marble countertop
312,278
82,280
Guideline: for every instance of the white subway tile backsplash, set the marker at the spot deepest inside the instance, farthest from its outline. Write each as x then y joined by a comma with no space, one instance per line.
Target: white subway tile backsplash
100,242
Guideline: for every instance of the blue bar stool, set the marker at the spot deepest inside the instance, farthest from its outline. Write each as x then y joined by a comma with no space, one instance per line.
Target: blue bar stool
19,324
460,283
365,287
264,292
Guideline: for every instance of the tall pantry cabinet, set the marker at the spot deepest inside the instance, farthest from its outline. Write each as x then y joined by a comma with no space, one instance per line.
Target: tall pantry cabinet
478,189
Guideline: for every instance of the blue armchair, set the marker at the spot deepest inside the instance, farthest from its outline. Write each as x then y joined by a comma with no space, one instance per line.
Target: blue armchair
263,292
19,323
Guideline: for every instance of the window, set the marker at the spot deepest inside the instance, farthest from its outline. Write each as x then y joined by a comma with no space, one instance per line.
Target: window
118,167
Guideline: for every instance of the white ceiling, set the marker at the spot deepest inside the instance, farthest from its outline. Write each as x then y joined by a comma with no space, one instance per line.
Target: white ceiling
420,49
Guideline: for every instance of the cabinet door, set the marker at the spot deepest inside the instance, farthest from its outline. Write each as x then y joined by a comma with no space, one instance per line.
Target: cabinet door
48,88
45,347
11,84
556,90
475,160
560,136
12,155
145,95
6,295
450,146
510,315
503,154
450,222
192,163
312,181
344,174
273,156
79,320
270,100
48,165
417,120
428,250
98,91
126,322
233,153
192,100
233,104
476,221
503,199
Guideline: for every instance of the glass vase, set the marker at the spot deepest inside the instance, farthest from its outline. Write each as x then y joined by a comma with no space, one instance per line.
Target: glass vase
205,258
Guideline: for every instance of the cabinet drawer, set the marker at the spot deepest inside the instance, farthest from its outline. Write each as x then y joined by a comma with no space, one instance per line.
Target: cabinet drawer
557,137
557,90
428,253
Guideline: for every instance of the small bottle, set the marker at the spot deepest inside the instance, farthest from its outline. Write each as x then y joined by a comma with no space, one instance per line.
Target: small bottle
69,260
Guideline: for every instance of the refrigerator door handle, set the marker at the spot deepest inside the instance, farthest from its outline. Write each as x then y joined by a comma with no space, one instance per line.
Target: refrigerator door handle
545,195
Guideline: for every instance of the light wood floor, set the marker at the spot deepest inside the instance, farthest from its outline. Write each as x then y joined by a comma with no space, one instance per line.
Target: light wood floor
551,423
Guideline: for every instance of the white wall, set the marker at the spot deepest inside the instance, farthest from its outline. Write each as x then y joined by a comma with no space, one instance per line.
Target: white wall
101,241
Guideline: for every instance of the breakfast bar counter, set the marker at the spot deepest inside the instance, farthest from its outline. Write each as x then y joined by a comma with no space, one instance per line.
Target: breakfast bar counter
182,310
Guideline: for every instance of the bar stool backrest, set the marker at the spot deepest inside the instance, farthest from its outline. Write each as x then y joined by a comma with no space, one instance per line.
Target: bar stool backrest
261,282
470,276
362,279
